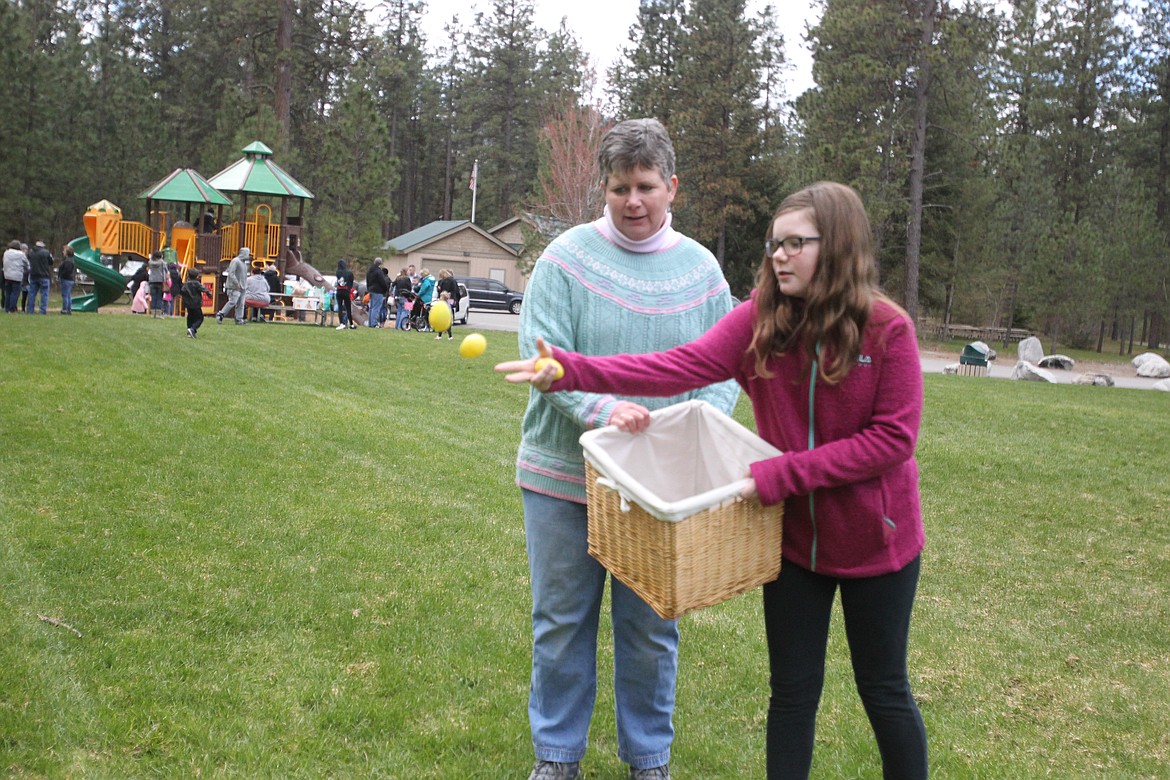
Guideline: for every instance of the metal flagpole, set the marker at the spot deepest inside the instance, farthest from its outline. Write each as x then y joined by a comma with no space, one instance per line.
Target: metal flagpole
474,175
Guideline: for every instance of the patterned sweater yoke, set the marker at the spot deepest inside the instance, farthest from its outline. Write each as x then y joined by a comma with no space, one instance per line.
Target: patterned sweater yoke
589,295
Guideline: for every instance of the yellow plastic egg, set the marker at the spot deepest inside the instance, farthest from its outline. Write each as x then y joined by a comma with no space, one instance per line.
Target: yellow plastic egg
542,362
440,316
472,346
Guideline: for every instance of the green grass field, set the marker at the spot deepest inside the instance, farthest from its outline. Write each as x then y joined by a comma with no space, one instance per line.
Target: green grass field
293,552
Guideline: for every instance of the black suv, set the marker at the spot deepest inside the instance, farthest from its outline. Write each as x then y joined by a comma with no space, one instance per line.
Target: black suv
490,294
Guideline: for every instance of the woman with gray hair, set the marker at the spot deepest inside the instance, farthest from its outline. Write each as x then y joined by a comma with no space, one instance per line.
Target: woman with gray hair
626,283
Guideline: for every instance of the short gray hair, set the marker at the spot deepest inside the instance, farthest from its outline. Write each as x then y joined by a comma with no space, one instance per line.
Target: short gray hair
636,143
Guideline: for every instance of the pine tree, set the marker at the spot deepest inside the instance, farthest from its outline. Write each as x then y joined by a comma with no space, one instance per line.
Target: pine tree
351,188
644,82
500,108
717,125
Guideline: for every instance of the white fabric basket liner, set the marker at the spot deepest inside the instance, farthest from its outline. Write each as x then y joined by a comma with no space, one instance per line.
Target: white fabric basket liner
691,458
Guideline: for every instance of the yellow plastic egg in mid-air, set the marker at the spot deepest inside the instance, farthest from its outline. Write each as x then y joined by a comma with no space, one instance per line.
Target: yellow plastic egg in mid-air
472,346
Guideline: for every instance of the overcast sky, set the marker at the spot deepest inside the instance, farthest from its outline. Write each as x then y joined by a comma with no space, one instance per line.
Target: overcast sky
602,27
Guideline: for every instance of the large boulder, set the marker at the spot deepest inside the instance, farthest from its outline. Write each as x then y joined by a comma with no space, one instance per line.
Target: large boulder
1154,366
1142,358
1030,350
1030,373
1163,385
1057,361
1097,380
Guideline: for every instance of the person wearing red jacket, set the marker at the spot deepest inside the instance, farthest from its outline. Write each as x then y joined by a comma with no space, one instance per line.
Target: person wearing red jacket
832,369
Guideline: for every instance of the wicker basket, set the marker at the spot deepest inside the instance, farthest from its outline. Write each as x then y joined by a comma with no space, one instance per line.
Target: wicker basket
678,565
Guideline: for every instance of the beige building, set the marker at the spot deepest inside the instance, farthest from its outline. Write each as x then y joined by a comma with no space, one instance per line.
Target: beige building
464,247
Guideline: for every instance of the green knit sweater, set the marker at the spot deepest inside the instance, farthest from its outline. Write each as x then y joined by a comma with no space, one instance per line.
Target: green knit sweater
590,296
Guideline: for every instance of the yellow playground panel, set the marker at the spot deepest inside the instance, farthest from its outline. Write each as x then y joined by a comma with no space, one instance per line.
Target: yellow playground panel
109,234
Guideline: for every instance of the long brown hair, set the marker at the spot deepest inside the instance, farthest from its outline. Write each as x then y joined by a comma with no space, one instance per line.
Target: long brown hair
833,314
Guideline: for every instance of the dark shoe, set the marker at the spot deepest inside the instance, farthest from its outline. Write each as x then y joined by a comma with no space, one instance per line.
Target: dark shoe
352,326
219,319
190,333
653,773
554,770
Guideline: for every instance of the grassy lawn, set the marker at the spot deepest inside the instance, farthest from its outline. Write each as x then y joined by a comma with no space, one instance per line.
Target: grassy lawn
294,552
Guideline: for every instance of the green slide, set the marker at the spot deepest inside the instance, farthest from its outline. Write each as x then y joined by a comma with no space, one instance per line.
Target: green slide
108,284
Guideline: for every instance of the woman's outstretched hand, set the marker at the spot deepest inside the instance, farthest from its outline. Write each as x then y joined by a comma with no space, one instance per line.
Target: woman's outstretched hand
520,371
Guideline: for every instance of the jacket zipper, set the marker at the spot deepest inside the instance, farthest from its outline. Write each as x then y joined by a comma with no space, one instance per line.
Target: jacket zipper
812,386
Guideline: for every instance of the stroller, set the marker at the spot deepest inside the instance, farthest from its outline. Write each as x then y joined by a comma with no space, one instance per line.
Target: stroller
419,319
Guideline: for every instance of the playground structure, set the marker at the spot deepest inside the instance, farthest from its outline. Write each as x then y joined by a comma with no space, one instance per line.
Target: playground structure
202,243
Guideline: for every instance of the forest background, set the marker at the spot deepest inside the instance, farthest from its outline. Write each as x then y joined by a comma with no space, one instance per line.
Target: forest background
1014,156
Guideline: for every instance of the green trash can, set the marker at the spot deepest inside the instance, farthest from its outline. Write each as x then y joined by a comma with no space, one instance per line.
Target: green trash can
973,355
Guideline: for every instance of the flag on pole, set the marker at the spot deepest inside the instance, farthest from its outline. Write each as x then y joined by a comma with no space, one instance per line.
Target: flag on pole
474,173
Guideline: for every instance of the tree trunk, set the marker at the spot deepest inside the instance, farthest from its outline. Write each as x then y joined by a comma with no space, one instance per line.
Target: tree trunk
918,162
283,86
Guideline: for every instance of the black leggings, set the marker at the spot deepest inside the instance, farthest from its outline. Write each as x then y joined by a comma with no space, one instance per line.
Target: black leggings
194,318
344,312
877,610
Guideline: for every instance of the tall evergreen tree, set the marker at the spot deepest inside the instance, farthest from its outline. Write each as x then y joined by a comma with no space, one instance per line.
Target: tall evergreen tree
500,107
644,82
717,124
351,183
857,118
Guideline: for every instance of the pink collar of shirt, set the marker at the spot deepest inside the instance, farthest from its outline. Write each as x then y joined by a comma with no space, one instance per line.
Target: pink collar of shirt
665,238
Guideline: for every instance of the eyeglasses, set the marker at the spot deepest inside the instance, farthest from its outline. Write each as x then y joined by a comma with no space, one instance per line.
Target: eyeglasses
793,245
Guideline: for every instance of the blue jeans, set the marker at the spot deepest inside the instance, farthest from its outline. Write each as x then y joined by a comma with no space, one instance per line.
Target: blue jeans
11,294
377,301
567,587
66,296
401,313
38,287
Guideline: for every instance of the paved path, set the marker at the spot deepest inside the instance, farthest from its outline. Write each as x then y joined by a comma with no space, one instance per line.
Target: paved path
1000,369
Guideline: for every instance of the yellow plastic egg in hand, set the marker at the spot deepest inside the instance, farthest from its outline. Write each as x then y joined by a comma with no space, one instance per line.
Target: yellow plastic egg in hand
440,316
542,362
472,346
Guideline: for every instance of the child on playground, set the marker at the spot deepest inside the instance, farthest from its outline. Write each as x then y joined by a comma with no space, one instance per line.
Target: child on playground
192,293
832,369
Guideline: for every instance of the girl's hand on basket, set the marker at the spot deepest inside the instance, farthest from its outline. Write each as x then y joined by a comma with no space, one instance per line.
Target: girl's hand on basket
749,490
521,371
630,417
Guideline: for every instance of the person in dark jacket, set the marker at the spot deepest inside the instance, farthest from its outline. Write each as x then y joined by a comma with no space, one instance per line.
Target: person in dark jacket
140,276
403,288
378,286
67,275
447,284
344,295
192,293
272,276
40,271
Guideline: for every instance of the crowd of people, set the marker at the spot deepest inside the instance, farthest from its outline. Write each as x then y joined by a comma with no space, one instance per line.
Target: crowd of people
28,274
156,285
409,292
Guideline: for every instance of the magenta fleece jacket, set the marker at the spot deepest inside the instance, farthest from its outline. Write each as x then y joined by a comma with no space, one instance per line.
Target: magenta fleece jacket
851,505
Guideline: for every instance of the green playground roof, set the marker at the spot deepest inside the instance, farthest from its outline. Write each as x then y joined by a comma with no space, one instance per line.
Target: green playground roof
185,185
257,173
